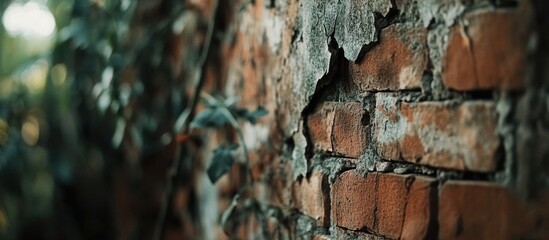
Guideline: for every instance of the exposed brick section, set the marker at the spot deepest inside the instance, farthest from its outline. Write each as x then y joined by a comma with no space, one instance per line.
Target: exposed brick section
311,196
478,210
320,125
349,132
418,215
452,135
391,204
354,200
339,128
397,62
386,204
489,52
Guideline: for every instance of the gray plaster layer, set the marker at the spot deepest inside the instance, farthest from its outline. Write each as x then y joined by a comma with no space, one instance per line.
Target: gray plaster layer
353,23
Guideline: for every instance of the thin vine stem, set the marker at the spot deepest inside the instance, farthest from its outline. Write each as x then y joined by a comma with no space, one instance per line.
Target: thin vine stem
234,123
188,115
250,183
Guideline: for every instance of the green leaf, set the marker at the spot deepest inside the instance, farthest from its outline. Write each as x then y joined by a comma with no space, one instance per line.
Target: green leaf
227,214
240,112
118,133
231,101
255,115
211,117
221,162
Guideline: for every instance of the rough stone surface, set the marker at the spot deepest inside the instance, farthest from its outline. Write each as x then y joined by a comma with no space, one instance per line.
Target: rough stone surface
487,50
321,237
384,166
340,233
311,196
307,62
442,134
487,211
396,62
386,204
299,160
444,12
339,128
355,24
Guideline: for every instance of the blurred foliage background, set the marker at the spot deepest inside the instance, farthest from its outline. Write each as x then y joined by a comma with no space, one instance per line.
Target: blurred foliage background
89,93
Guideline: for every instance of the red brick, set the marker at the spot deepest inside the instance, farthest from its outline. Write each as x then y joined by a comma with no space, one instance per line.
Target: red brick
391,204
479,210
441,134
339,128
320,125
490,52
349,132
311,196
396,62
385,204
418,216
354,200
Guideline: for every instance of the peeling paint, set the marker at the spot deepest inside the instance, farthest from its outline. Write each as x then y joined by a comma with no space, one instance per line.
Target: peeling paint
307,63
355,24
354,28
299,163
445,12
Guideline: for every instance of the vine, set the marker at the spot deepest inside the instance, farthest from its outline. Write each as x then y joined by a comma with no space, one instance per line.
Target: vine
218,113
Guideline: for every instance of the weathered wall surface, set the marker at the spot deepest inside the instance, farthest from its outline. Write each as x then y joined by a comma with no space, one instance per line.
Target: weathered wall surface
389,119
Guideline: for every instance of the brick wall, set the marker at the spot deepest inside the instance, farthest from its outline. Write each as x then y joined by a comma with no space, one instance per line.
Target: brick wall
389,119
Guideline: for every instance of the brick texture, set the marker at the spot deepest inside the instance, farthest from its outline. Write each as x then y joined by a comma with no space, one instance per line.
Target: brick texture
311,196
488,52
353,201
339,128
477,210
397,62
432,107
418,215
386,204
441,134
